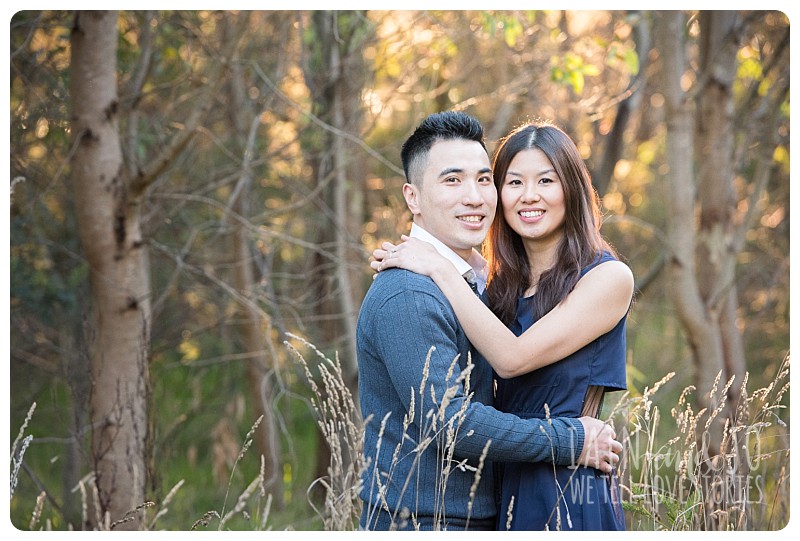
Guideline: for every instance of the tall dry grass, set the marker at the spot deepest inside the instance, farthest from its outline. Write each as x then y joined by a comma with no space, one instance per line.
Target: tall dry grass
670,478
147,513
340,423
343,429
676,481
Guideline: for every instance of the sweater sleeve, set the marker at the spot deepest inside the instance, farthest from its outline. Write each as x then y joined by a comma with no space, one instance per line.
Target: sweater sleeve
417,335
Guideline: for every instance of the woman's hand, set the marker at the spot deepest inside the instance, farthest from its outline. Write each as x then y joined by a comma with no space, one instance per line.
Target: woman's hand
411,254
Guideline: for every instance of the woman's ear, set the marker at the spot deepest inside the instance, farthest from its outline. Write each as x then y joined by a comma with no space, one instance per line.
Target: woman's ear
411,194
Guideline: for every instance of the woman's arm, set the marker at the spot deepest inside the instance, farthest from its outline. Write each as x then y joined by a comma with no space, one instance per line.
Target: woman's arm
599,300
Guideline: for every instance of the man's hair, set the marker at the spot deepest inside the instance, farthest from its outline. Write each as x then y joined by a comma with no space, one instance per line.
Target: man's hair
437,127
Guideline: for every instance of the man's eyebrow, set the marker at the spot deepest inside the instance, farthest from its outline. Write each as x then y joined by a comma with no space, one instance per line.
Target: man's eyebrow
450,170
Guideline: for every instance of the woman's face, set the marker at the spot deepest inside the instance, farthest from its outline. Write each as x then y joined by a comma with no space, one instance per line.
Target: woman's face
532,196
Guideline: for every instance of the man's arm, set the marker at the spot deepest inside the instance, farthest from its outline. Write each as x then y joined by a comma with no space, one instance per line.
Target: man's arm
417,323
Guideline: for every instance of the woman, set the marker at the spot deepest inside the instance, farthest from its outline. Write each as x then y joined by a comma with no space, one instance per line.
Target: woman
561,299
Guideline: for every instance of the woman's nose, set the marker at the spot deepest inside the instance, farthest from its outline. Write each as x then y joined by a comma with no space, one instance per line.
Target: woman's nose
531,193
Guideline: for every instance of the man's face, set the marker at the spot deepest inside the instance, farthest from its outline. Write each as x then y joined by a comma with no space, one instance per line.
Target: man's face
457,198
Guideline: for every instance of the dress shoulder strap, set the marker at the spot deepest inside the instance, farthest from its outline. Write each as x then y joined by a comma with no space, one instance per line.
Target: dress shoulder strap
602,257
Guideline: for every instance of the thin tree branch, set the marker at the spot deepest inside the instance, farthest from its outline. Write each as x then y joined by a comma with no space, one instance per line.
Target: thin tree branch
159,163
260,232
764,169
319,122
245,175
130,97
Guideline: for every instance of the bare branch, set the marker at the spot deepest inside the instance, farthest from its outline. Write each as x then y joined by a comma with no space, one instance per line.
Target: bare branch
157,165
319,122
765,166
129,97
260,232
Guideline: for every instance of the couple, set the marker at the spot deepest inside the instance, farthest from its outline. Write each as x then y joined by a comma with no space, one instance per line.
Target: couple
528,452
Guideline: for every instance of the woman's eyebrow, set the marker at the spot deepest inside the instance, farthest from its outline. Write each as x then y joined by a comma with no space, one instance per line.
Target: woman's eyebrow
543,172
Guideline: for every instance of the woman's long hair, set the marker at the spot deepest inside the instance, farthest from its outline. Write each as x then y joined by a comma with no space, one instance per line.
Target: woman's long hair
581,243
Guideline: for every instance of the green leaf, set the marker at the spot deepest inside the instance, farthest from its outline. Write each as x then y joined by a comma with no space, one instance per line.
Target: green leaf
576,78
512,31
750,68
590,70
632,61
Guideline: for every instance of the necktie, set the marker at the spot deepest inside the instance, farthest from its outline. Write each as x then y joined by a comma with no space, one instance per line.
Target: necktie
469,276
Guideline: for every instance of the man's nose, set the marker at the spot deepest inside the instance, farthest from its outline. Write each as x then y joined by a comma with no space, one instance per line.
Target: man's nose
472,194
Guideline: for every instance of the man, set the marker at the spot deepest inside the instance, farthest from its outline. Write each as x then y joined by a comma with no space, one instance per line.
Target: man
430,432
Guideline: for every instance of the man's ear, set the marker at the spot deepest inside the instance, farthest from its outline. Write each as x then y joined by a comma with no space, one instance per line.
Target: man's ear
411,194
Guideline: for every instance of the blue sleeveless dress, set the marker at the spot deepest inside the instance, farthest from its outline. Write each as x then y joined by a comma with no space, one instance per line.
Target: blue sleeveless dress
558,497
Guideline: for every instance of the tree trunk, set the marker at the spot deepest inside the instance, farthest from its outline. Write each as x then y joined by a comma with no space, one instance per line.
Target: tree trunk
336,79
347,196
614,142
109,228
716,250
256,324
715,144
703,340
256,330
701,229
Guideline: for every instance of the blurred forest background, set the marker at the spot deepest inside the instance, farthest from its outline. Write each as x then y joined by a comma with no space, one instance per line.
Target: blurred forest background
187,187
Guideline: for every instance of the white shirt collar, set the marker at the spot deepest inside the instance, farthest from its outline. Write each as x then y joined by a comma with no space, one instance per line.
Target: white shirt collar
476,262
